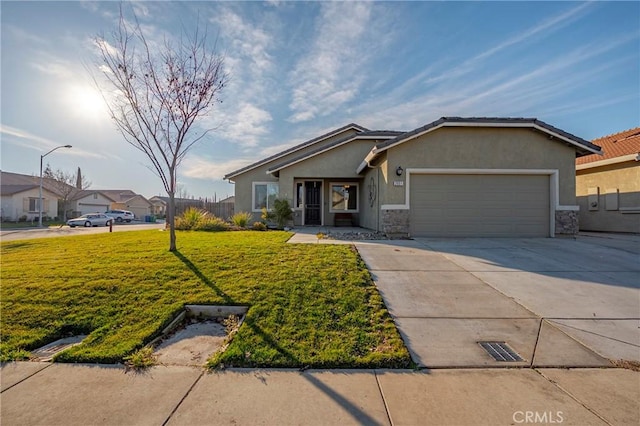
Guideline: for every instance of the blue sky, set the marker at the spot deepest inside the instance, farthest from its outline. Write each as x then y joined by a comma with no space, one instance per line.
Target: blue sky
299,69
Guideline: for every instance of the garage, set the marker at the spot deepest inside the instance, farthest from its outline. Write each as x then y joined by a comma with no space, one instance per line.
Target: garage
84,208
479,205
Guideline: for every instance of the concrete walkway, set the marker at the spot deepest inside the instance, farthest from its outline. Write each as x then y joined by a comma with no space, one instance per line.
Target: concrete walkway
65,394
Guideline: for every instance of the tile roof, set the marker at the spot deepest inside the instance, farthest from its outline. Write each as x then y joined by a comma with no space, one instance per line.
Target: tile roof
616,145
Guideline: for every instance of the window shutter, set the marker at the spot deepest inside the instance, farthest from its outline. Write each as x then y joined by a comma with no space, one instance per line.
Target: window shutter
25,204
46,205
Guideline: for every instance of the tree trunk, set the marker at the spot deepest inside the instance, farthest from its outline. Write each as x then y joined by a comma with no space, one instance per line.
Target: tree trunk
171,212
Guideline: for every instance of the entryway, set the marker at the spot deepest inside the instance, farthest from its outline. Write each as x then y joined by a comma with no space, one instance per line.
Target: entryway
313,202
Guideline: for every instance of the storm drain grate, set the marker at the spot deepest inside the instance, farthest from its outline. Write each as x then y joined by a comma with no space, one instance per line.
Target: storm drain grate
500,351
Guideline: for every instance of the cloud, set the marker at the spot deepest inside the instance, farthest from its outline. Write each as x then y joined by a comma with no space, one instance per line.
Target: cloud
547,83
246,124
544,28
327,77
200,168
24,139
249,43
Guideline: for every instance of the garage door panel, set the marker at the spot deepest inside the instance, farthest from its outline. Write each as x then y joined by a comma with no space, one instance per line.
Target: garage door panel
479,205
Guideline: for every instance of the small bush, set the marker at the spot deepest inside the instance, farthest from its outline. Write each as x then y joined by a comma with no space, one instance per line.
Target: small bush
241,219
281,213
22,218
190,219
259,226
211,223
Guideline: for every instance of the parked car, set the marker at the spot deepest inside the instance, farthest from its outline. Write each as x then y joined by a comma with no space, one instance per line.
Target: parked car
90,219
121,215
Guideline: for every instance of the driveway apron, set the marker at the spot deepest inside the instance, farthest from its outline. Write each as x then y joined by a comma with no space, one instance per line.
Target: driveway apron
443,311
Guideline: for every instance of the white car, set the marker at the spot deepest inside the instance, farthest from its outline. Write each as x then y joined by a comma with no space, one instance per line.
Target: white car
121,215
90,219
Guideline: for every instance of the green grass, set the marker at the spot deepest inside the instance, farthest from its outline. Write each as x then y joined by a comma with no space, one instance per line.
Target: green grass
310,305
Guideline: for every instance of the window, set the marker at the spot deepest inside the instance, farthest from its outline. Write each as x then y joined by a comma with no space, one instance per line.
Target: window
299,195
33,204
95,196
264,193
344,197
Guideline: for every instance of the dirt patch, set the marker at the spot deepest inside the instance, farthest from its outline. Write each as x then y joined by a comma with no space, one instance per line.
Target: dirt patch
193,344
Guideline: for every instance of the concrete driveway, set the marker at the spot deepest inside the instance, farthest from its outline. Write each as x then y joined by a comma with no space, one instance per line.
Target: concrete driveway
556,302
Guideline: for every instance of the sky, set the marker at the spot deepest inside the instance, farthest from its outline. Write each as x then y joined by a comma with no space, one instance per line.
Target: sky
300,69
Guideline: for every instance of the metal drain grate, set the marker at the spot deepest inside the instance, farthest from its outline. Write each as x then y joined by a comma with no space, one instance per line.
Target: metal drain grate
500,351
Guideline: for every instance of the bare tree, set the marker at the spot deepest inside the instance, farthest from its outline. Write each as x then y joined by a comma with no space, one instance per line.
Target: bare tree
66,184
159,92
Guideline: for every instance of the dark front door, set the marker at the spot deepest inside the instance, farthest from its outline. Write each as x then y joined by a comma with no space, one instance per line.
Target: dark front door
312,205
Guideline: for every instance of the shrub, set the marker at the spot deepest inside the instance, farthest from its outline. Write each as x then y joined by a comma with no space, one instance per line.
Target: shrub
259,226
211,223
190,219
241,219
281,213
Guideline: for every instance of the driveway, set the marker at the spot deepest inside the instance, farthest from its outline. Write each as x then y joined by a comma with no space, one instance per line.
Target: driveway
560,302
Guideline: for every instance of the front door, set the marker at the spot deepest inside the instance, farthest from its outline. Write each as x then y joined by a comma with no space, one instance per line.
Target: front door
313,203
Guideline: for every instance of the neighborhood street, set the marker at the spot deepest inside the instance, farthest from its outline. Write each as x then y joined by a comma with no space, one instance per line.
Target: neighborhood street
63,231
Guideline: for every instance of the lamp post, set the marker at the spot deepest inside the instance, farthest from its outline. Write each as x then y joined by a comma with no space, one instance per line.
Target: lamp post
40,198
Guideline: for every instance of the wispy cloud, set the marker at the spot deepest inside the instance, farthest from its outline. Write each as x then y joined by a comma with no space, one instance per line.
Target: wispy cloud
520,89
326,78
28,140
547,26
250,63
542,29
200,168
249,124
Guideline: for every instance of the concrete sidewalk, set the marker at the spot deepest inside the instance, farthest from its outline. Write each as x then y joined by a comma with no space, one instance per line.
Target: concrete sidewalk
65,394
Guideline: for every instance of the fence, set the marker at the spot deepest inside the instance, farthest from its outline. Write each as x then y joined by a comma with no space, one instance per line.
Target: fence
221,210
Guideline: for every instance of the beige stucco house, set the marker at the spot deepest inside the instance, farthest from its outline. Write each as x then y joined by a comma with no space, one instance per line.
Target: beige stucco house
129,200
158,206
20,197
453,177
90,201
608,186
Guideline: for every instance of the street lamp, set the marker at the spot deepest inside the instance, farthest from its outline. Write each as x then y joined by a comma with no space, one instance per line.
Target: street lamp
40,198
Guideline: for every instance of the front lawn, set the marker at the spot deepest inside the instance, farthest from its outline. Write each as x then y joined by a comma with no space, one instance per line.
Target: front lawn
310,305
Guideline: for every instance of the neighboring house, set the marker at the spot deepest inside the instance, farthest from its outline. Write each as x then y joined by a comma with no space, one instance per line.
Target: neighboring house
128,200
608,186
462,177
228,200
90,201
21,194
158,206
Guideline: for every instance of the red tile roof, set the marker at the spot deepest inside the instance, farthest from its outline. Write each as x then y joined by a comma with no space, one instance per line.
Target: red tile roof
616,145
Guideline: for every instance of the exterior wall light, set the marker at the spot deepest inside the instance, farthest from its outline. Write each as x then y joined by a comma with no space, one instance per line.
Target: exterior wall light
399,170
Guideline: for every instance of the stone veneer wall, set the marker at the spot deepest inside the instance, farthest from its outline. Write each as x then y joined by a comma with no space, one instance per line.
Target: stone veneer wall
395,223
566,222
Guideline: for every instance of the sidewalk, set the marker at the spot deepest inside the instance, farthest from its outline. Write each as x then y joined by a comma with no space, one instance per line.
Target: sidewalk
65,394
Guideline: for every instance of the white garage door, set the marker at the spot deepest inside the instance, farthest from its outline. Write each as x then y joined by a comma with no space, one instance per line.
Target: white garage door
479,205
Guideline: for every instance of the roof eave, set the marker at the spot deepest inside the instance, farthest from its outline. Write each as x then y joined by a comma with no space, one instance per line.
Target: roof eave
293,149
615,160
